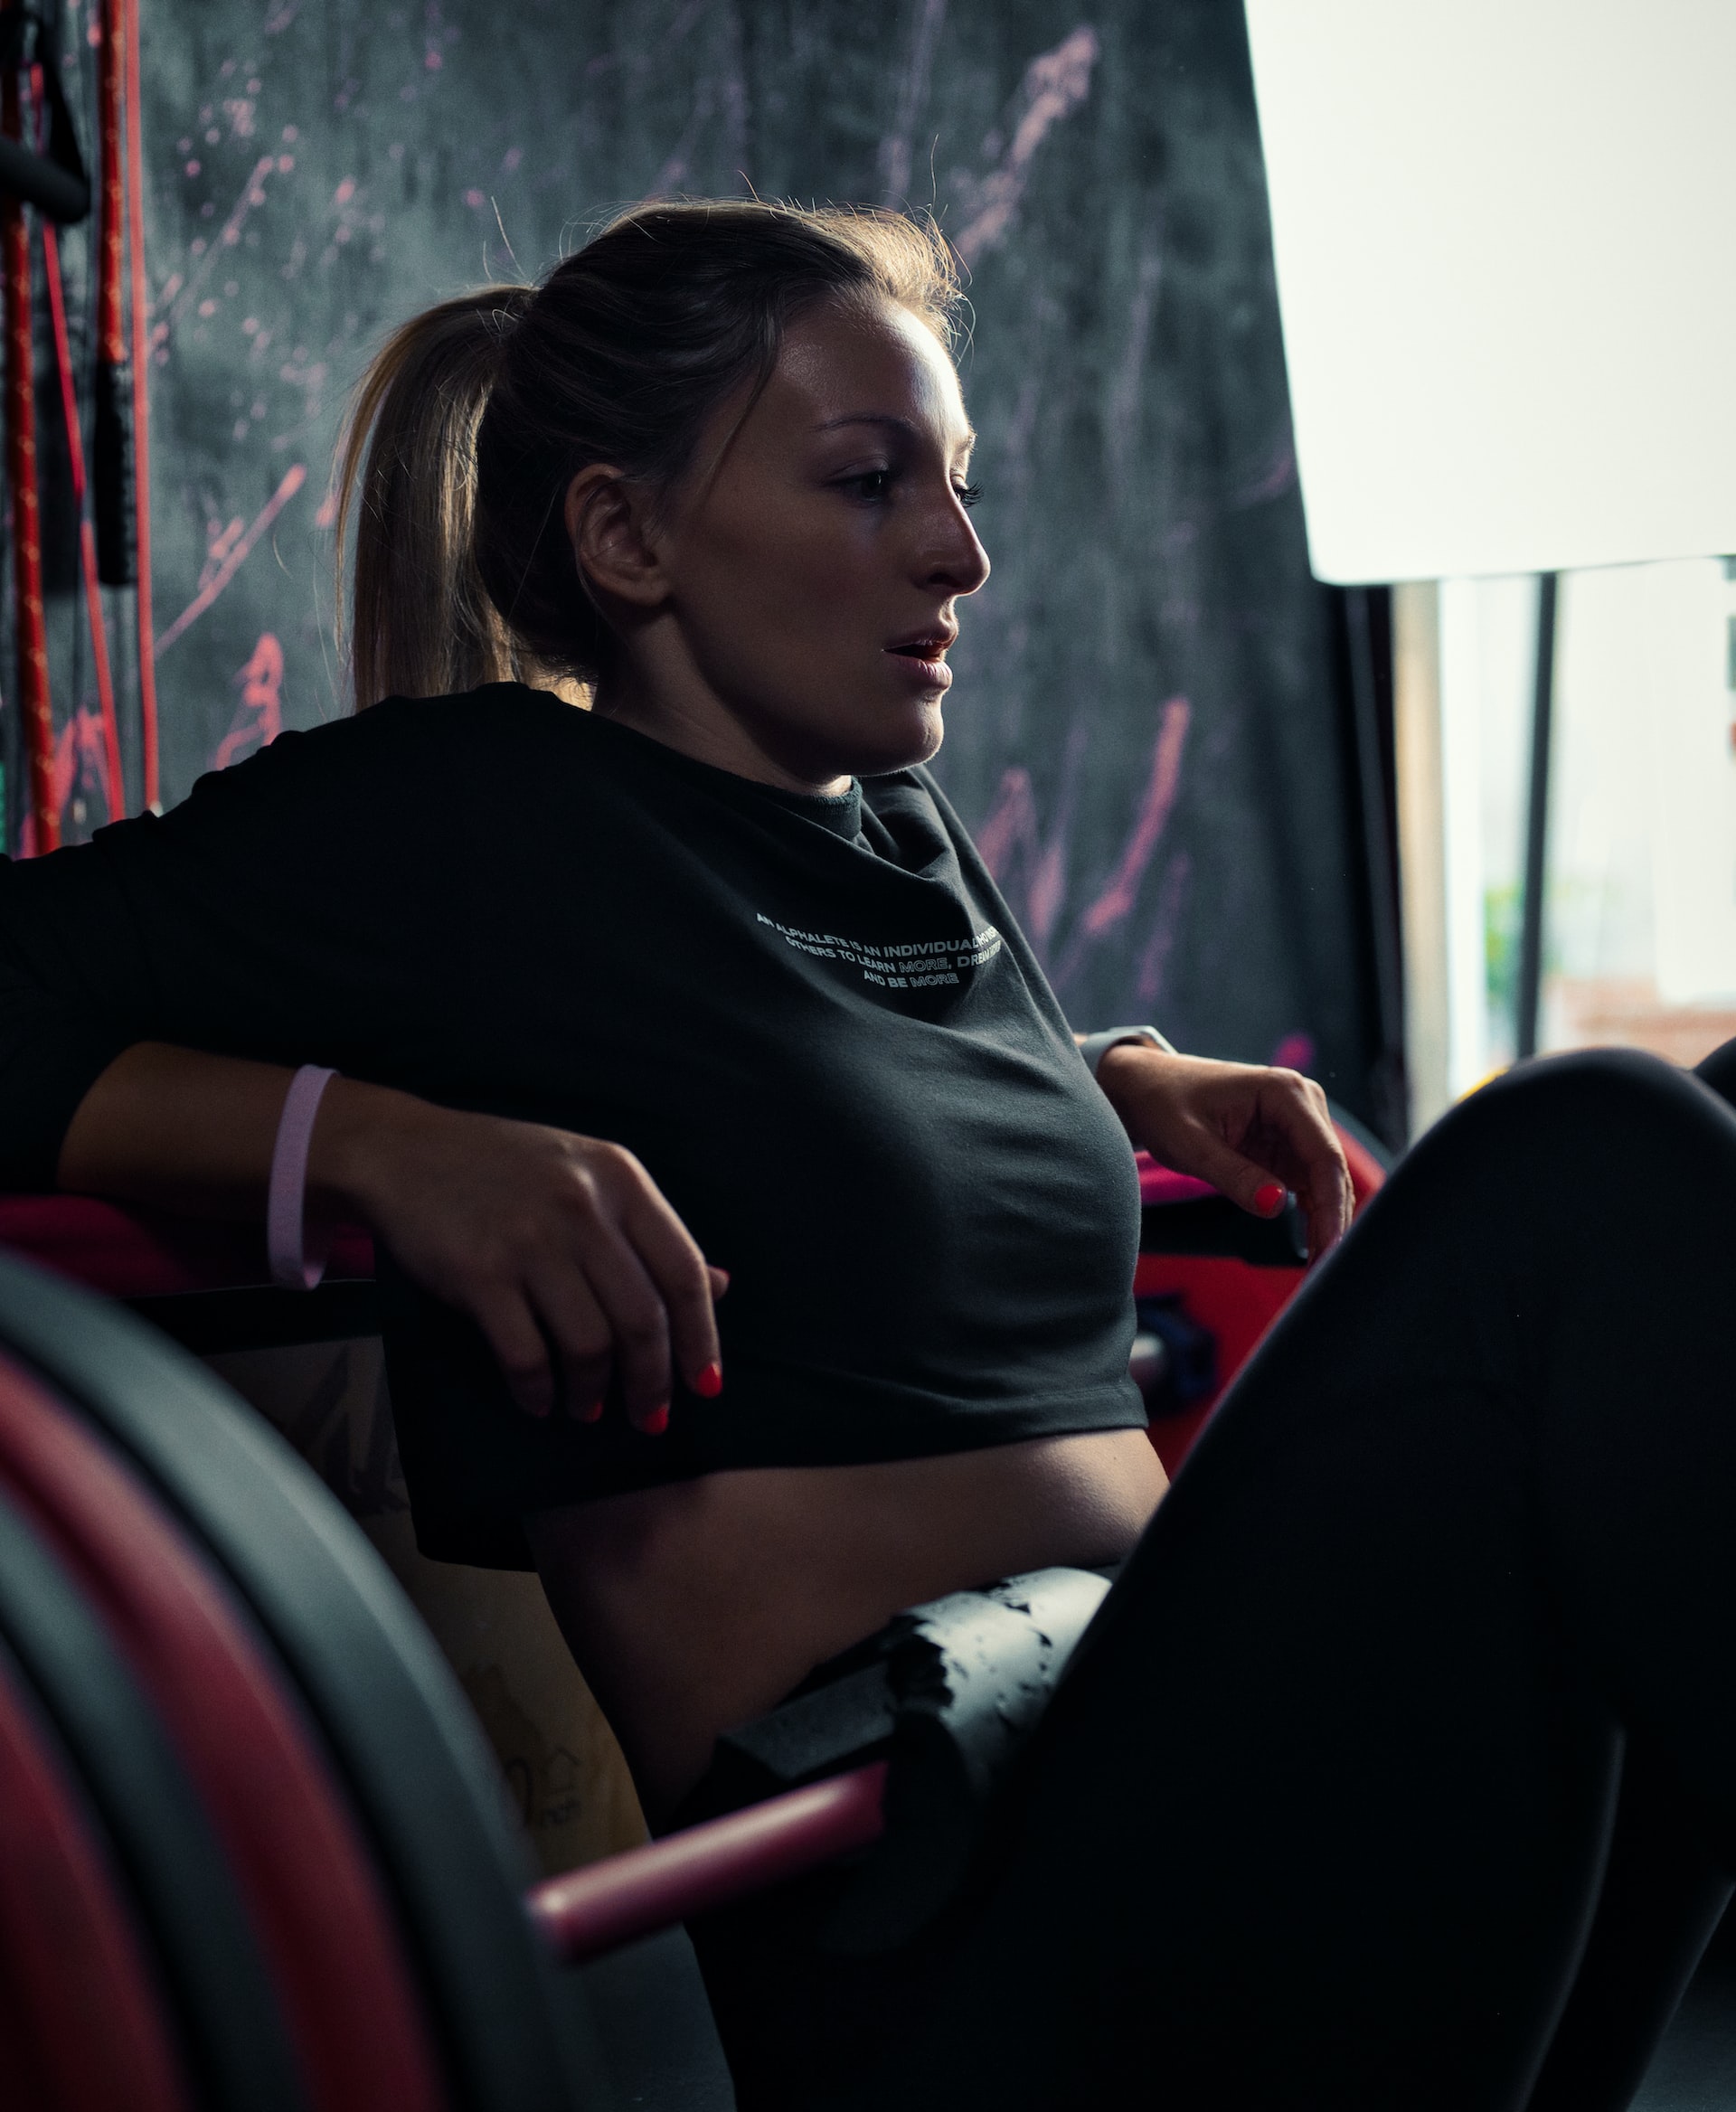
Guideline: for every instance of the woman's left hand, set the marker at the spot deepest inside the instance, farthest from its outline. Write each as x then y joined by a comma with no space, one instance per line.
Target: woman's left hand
1251,1132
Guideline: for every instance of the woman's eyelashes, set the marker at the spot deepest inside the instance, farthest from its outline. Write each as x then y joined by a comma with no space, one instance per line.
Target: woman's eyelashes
875,486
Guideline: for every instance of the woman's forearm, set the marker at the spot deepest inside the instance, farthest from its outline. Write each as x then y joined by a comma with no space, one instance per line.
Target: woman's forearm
551,1242
195,1132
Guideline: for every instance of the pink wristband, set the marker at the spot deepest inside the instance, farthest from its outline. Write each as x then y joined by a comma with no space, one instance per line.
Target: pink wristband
291,1265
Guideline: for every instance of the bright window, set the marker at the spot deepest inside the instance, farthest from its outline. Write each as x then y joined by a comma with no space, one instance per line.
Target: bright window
1641,908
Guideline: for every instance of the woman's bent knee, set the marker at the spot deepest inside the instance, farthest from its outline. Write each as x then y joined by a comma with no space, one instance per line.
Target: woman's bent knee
1594,1104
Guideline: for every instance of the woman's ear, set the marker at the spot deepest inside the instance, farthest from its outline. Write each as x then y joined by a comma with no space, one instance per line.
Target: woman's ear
613,544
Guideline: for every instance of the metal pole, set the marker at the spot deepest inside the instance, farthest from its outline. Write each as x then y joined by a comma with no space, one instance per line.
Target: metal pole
1529,997
1378,862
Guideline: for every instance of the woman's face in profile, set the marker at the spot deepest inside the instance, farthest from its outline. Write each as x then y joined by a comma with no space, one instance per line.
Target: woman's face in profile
814,577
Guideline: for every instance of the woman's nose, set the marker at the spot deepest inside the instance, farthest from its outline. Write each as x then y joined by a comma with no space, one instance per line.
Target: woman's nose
956,558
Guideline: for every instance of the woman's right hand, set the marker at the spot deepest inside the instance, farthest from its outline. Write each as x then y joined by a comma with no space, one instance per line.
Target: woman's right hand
561,1247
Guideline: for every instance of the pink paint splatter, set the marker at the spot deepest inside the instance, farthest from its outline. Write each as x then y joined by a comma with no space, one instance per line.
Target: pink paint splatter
1011,835
1172,896
1123,419
1117,899
1271,482
235,555
82,759
1011,827
1048,889
252,194
259,719
1055,83
81,767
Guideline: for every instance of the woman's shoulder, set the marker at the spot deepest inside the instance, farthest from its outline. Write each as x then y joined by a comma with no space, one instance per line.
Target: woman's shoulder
401,754
493,717
410,785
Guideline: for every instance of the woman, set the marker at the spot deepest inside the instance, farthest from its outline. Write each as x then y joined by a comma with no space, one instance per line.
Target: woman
703,986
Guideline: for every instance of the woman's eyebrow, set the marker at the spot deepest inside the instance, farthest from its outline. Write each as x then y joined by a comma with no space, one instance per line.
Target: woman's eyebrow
886,418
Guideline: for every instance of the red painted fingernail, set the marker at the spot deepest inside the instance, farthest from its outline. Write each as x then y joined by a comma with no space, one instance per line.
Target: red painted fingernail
656,1423
1269,1200
591,1412
709,1383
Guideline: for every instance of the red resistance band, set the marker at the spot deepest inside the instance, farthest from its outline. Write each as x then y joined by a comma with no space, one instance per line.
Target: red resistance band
26,519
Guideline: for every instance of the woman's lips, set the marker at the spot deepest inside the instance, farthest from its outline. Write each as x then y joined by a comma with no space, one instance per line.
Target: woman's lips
921,658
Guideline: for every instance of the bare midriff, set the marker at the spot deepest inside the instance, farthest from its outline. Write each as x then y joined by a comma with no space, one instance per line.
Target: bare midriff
699,1605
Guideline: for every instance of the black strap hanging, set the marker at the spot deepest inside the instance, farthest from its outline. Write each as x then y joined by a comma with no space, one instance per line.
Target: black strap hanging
56,183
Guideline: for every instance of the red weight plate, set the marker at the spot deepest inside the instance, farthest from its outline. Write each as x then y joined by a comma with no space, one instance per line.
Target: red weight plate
81,2024
296,1854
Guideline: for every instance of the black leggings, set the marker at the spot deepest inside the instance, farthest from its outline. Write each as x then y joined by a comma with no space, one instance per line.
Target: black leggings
1398,1768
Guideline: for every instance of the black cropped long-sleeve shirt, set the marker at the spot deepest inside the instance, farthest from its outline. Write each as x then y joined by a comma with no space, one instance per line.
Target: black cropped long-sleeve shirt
813,1019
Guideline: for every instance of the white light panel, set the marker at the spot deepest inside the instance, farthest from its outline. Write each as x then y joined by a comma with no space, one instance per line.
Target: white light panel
1506,238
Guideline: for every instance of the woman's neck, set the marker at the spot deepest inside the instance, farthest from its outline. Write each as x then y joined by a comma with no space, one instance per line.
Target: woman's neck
687,715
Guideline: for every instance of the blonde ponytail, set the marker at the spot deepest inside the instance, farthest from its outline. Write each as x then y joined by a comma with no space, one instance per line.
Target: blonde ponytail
420,621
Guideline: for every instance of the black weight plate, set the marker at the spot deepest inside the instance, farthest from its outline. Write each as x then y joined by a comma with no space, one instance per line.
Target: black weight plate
230,2026
516,2033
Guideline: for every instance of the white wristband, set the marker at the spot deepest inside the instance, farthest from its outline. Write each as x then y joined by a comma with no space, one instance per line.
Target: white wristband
1094,1047
291,1265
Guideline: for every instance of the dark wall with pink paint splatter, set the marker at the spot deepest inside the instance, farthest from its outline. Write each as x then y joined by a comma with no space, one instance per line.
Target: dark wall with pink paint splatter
1148,730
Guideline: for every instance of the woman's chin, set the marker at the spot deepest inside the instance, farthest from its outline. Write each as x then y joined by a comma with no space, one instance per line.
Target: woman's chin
913,736
868,741
935,732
